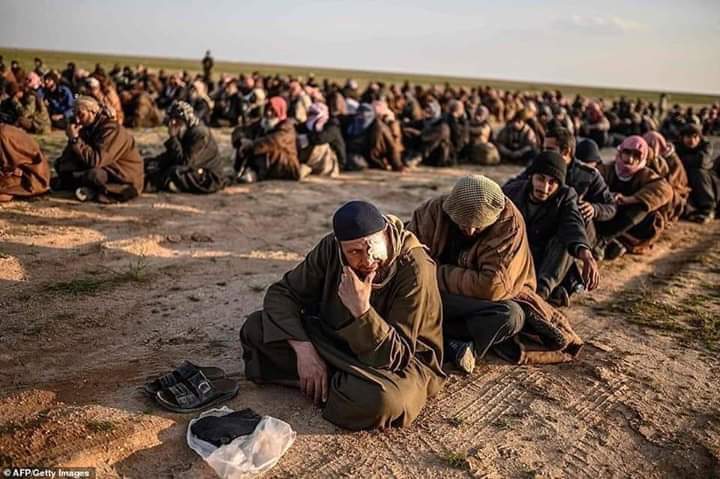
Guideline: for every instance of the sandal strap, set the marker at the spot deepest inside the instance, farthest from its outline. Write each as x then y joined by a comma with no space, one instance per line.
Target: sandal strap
183,396
167,380
201,386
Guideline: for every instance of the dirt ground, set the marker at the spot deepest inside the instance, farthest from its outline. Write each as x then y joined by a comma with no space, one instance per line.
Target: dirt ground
96,298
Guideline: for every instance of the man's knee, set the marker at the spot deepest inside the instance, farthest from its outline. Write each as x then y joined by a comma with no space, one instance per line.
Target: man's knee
360,405
251,333
513,315
96,177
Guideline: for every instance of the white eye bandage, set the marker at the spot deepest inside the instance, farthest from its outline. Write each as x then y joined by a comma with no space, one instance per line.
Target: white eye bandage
377,247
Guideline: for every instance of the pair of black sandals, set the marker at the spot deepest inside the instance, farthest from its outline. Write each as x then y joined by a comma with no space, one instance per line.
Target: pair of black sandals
191,388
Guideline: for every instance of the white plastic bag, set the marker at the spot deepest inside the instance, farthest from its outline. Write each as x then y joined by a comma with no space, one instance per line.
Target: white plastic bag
246,456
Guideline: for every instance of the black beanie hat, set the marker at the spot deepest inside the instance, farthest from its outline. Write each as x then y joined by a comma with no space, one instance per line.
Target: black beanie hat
549,163
357,219
587,151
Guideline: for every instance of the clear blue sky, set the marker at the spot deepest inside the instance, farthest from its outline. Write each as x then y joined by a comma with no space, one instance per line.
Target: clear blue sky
660,44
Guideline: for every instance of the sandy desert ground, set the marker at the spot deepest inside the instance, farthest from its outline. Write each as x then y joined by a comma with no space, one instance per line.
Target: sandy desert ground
96,298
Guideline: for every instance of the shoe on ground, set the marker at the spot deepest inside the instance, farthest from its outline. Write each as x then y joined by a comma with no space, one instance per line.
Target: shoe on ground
305,171
85,194
560,297
172,187
247,176
462,355
614,249
702,218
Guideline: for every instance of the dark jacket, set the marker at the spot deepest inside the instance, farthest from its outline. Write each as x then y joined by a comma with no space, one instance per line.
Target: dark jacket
699,157
589,185
196,149
559,217
60,101
332,135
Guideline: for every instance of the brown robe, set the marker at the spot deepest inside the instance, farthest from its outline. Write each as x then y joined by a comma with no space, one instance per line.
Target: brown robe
671,168
499,266
650,189
107,145
24,169
392,352
279,146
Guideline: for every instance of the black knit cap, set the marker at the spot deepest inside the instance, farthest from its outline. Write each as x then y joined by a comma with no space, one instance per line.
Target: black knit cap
549,163
357,219
587,151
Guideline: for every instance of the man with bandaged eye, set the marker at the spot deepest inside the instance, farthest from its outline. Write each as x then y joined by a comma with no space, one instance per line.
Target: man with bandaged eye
356,326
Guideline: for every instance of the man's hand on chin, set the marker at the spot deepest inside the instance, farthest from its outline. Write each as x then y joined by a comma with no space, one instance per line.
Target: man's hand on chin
355,292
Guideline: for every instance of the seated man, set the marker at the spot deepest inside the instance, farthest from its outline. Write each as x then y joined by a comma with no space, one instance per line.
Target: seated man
517,142
480,150
640,194
487,278
272,154
370,143
34,116
696,156
595,201
320,142
24,169
357,325
59,99
429,139
191,162
595,125
100,160
663,160
555,228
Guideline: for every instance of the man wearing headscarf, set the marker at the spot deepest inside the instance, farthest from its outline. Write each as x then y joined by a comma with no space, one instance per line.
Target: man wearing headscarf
100,161
356,325
555,228
663,160
202,104
487,278
429,139
191,162
370,143
640,195
696,155
320,142
24,169
272,155
595,125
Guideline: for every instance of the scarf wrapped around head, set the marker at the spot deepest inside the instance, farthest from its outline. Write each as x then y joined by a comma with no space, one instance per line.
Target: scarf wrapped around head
183,111
435,109
658,144
363,119
87,103
624,170
201,88
279,107
32,80
318,115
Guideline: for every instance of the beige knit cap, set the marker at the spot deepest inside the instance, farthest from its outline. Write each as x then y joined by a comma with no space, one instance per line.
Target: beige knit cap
88,103
474,202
